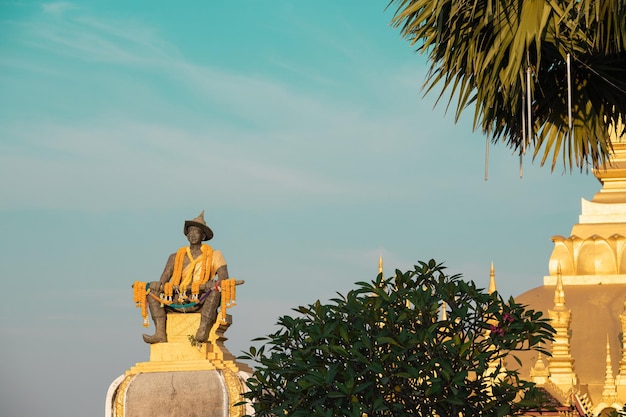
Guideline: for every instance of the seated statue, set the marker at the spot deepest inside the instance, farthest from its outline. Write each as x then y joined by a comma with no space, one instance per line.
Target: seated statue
187,283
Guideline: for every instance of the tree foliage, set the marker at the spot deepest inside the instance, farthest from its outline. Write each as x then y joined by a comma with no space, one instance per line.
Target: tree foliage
480,52
386,349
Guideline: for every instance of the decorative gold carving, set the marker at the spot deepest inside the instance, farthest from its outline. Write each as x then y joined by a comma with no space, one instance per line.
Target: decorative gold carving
235,390
592,256
596,250
561,396
180,325
120,396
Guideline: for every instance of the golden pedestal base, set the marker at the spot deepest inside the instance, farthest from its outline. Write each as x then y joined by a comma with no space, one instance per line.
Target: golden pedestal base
182,379
178,353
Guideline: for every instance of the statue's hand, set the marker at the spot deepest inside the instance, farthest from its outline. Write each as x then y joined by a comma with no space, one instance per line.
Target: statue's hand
155,287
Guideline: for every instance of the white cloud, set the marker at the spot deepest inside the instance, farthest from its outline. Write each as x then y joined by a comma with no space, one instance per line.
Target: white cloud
253,138
261,100
286,144
57,8
133,164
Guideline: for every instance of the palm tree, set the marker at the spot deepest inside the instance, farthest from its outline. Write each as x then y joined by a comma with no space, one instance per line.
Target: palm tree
510,59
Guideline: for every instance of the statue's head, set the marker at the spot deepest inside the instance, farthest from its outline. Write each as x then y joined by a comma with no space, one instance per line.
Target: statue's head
201,224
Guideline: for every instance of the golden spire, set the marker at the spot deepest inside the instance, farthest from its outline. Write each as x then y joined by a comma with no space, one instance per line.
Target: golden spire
559,292
561,362
380,265
444,312
539,362
609,392
539,373
492,280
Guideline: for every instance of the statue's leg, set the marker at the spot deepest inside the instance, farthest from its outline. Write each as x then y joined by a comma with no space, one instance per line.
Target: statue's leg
158,316
208,314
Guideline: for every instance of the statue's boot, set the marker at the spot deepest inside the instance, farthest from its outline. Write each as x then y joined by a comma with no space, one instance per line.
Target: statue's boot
206,322
208,315
160,335
158,316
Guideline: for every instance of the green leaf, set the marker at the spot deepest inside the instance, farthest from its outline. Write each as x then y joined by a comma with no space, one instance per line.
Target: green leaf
367,354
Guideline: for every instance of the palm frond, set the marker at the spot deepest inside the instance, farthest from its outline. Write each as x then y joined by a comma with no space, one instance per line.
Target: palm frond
480,50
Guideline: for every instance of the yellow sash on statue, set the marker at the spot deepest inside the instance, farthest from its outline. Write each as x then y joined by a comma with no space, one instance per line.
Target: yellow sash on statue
198,270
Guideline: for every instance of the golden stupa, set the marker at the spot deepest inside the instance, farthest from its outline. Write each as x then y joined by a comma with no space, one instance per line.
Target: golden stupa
585,297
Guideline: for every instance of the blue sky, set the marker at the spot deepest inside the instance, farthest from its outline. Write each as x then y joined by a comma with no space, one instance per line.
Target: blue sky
299,127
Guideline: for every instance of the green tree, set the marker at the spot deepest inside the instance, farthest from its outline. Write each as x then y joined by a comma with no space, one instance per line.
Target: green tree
386,349
480,51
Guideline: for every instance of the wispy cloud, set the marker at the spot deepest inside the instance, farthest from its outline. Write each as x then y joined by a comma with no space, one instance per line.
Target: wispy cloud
57,8
128,44
131,165
267,140
87,40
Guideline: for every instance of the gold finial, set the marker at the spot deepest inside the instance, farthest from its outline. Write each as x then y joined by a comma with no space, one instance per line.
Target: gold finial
444,312
539,365
492,280
609,391
559,292
539,373
380,265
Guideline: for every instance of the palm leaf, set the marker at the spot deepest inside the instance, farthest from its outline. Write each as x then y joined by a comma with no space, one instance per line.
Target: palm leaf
480,50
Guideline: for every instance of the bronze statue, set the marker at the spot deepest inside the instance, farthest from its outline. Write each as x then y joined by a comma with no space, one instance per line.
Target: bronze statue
187,283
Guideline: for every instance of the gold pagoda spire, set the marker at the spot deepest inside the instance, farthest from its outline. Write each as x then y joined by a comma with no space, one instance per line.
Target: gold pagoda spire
559,292
496,369
380,265
444,312
609,392
561,363
492,280
539,373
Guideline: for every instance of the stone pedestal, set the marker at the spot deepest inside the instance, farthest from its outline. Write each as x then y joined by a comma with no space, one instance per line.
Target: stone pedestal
182,379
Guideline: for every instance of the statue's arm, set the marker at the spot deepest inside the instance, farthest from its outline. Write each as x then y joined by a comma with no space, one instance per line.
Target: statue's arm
157,286
168,271
220,263
222,273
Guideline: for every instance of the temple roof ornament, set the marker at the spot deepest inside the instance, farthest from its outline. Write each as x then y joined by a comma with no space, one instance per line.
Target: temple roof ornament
559,292
492,280
539,373
595,251
609,393
561,363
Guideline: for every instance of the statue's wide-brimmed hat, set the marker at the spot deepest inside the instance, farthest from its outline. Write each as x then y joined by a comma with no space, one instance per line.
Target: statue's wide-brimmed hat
199,222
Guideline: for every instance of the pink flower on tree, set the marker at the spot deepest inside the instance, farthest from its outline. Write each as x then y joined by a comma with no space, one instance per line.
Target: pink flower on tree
496,330
507,318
